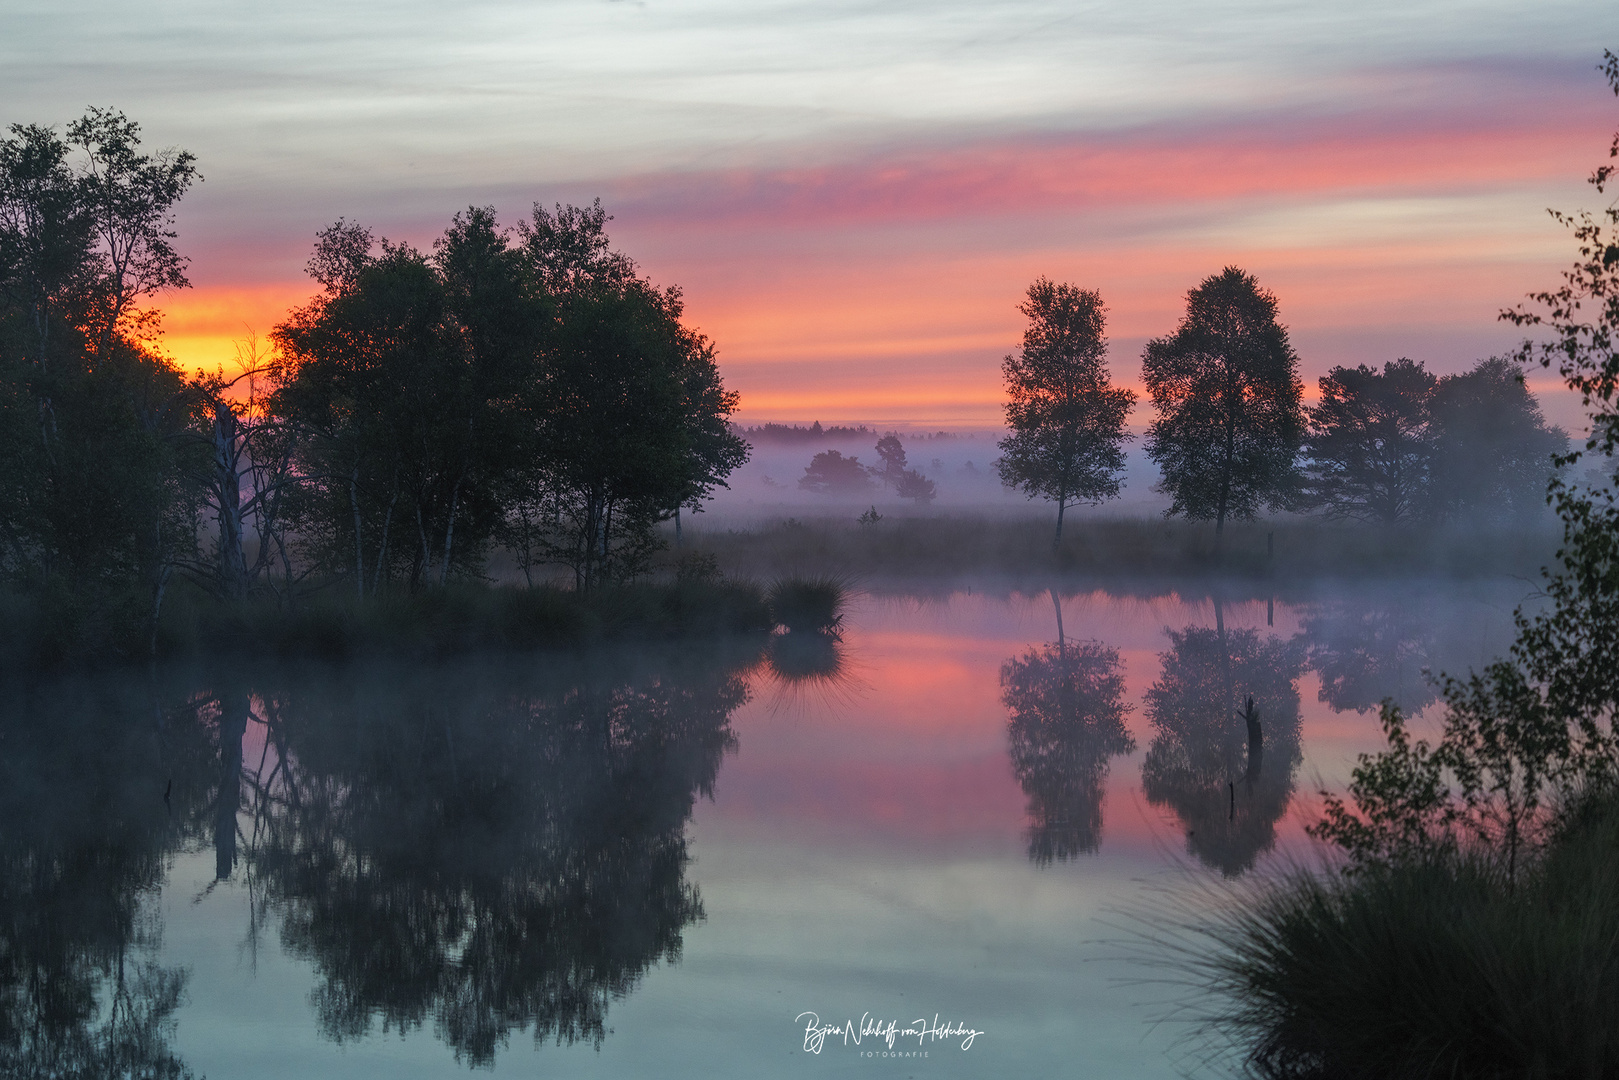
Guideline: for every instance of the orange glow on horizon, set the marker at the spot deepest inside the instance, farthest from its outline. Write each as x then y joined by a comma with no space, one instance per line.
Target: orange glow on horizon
889,287
203,327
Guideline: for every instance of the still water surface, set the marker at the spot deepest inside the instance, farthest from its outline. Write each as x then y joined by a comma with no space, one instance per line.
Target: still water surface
654,862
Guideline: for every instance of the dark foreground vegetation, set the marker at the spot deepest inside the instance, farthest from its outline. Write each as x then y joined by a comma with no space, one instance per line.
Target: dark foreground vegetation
1442,966
1472,925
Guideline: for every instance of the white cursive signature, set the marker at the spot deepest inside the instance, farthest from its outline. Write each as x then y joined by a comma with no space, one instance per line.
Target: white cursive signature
815,1032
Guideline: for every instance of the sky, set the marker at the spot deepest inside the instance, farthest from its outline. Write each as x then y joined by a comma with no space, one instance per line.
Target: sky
854,195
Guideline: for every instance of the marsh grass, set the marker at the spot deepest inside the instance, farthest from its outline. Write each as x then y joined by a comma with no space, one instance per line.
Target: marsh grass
943,547
811,604
1433,967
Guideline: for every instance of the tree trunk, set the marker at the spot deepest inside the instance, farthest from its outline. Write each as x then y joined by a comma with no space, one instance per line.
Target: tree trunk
1056,603
424,557
359,553
382,552
232,564
162,585
449,531
1227,465
1056,541
233,712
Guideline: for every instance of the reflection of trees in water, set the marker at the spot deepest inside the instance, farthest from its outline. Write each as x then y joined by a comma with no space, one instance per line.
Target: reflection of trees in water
493,853
1198,763
1367,651
83,849
1066,706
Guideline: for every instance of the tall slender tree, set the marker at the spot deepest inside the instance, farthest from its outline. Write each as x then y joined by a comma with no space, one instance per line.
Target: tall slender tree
1227,393
1067,419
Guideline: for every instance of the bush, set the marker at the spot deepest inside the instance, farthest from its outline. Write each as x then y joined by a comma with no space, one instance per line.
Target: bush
1433,966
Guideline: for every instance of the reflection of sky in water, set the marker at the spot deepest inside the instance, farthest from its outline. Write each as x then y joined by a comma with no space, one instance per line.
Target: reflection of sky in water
867,850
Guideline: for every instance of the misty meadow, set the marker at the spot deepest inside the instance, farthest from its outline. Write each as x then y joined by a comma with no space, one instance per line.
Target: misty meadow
463,674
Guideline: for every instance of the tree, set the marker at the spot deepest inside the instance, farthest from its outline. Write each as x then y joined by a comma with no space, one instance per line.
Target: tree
394,387
891,453
913,485
252,479
628,408
1537,729
1492,447
130,200
1067,420
1369,443
907,483
1227,393
830,473
97,491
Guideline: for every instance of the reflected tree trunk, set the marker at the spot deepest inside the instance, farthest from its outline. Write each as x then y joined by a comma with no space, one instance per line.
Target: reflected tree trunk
233,713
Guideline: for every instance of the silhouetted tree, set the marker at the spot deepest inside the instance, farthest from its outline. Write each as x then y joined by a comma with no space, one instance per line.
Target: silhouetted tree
628,409
1198,762
830,473
913,485
96,500
399,374
1067,419
1492,448
1226,390
1369,443
1067,710
891,455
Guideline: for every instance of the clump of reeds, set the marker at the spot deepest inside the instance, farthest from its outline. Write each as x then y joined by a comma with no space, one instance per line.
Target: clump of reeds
1437,965
808,604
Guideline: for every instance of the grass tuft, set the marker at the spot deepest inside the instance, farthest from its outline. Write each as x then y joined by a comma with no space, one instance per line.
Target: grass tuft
1431,968
808,604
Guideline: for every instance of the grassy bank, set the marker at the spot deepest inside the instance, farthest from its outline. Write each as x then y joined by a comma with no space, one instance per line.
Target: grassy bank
331,624
1021,548
1435,967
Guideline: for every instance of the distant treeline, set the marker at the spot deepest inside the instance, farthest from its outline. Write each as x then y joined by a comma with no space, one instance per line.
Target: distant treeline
797,433
1231,434
523,388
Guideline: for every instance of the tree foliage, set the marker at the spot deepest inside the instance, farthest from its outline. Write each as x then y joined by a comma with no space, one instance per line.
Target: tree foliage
1400,445
526,387
1533,732
1368,442
1227,394
1492,449
1066,418
97,491
830,473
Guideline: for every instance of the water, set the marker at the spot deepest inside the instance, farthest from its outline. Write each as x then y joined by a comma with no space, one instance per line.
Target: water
655,862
